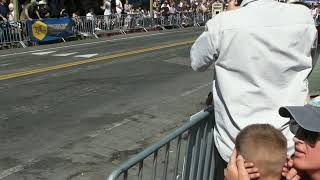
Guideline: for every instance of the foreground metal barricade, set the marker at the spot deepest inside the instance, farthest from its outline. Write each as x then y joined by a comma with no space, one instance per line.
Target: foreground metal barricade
175,157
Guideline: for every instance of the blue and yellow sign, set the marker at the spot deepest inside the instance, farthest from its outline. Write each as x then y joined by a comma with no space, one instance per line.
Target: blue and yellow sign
39,30
50,29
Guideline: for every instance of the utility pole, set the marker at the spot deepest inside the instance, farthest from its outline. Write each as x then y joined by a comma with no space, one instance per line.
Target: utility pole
151,8
16,10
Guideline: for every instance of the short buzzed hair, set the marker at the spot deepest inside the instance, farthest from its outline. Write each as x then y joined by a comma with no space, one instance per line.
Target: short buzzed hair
265,146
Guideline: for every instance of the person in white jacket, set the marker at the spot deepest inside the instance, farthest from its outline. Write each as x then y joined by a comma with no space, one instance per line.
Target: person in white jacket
262,53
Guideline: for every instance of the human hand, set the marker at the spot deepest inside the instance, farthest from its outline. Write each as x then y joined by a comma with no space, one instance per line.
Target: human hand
289,172
237,169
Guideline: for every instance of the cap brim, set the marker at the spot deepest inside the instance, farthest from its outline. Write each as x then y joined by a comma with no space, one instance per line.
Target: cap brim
307,117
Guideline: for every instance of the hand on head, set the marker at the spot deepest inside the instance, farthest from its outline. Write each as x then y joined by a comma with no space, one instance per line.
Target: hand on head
238,169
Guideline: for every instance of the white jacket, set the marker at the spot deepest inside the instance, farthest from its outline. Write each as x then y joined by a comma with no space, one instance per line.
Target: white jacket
262,58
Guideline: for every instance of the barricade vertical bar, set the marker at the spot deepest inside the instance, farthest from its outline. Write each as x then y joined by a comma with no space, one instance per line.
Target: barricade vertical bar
195,154
176,166
140,174
188,154
166,162
202,152
155,163
210,147
213,161
1,34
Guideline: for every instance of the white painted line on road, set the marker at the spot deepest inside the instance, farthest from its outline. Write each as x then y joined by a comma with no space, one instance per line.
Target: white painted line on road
3,65
85,55
44,53
10,171
89,43
97,133
17,168
195,89
65,54
118,124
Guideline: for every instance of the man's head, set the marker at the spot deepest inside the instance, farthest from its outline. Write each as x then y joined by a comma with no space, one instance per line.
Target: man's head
265,146
305,124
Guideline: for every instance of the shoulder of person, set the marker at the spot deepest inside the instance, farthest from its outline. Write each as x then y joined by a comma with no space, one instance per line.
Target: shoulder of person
222,17
298,8
214,23
300,12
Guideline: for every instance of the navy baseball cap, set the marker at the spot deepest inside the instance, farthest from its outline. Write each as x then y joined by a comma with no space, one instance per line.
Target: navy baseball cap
307,116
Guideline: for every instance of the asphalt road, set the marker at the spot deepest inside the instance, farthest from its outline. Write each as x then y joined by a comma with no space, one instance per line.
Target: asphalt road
68,110
102,97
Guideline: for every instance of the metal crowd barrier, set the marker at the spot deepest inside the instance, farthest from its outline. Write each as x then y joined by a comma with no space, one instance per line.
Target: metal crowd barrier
17,33
176,157
91,26
11,34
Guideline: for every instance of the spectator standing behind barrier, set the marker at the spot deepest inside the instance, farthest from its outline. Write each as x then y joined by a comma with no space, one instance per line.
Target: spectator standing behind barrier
107,8
305,125
64,12
172,9
11,17
30,11
165,9
119,7
23,15
43,10
127,7
54,6
90,15
261,64
265,147
4,11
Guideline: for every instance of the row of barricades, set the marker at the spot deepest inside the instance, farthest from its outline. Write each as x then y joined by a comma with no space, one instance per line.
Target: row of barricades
130,22
24,33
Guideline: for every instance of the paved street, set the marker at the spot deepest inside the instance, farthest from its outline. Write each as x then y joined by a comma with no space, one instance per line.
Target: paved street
122,94
68,110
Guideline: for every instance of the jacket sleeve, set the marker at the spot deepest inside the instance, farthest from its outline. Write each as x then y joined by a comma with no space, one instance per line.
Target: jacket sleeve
204,51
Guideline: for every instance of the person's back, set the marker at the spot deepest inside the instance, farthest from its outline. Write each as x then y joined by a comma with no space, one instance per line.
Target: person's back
262,59
264,146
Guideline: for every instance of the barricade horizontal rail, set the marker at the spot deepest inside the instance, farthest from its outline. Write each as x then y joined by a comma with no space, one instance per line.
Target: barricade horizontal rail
190,158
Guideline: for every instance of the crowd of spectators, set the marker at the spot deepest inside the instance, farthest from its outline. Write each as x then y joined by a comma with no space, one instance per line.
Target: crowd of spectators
39,9
35,10
28,10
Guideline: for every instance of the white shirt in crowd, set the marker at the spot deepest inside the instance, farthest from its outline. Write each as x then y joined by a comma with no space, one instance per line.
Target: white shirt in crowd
127,8
11,12
261,54
119,6
90,16
165,5
107,8
172,10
